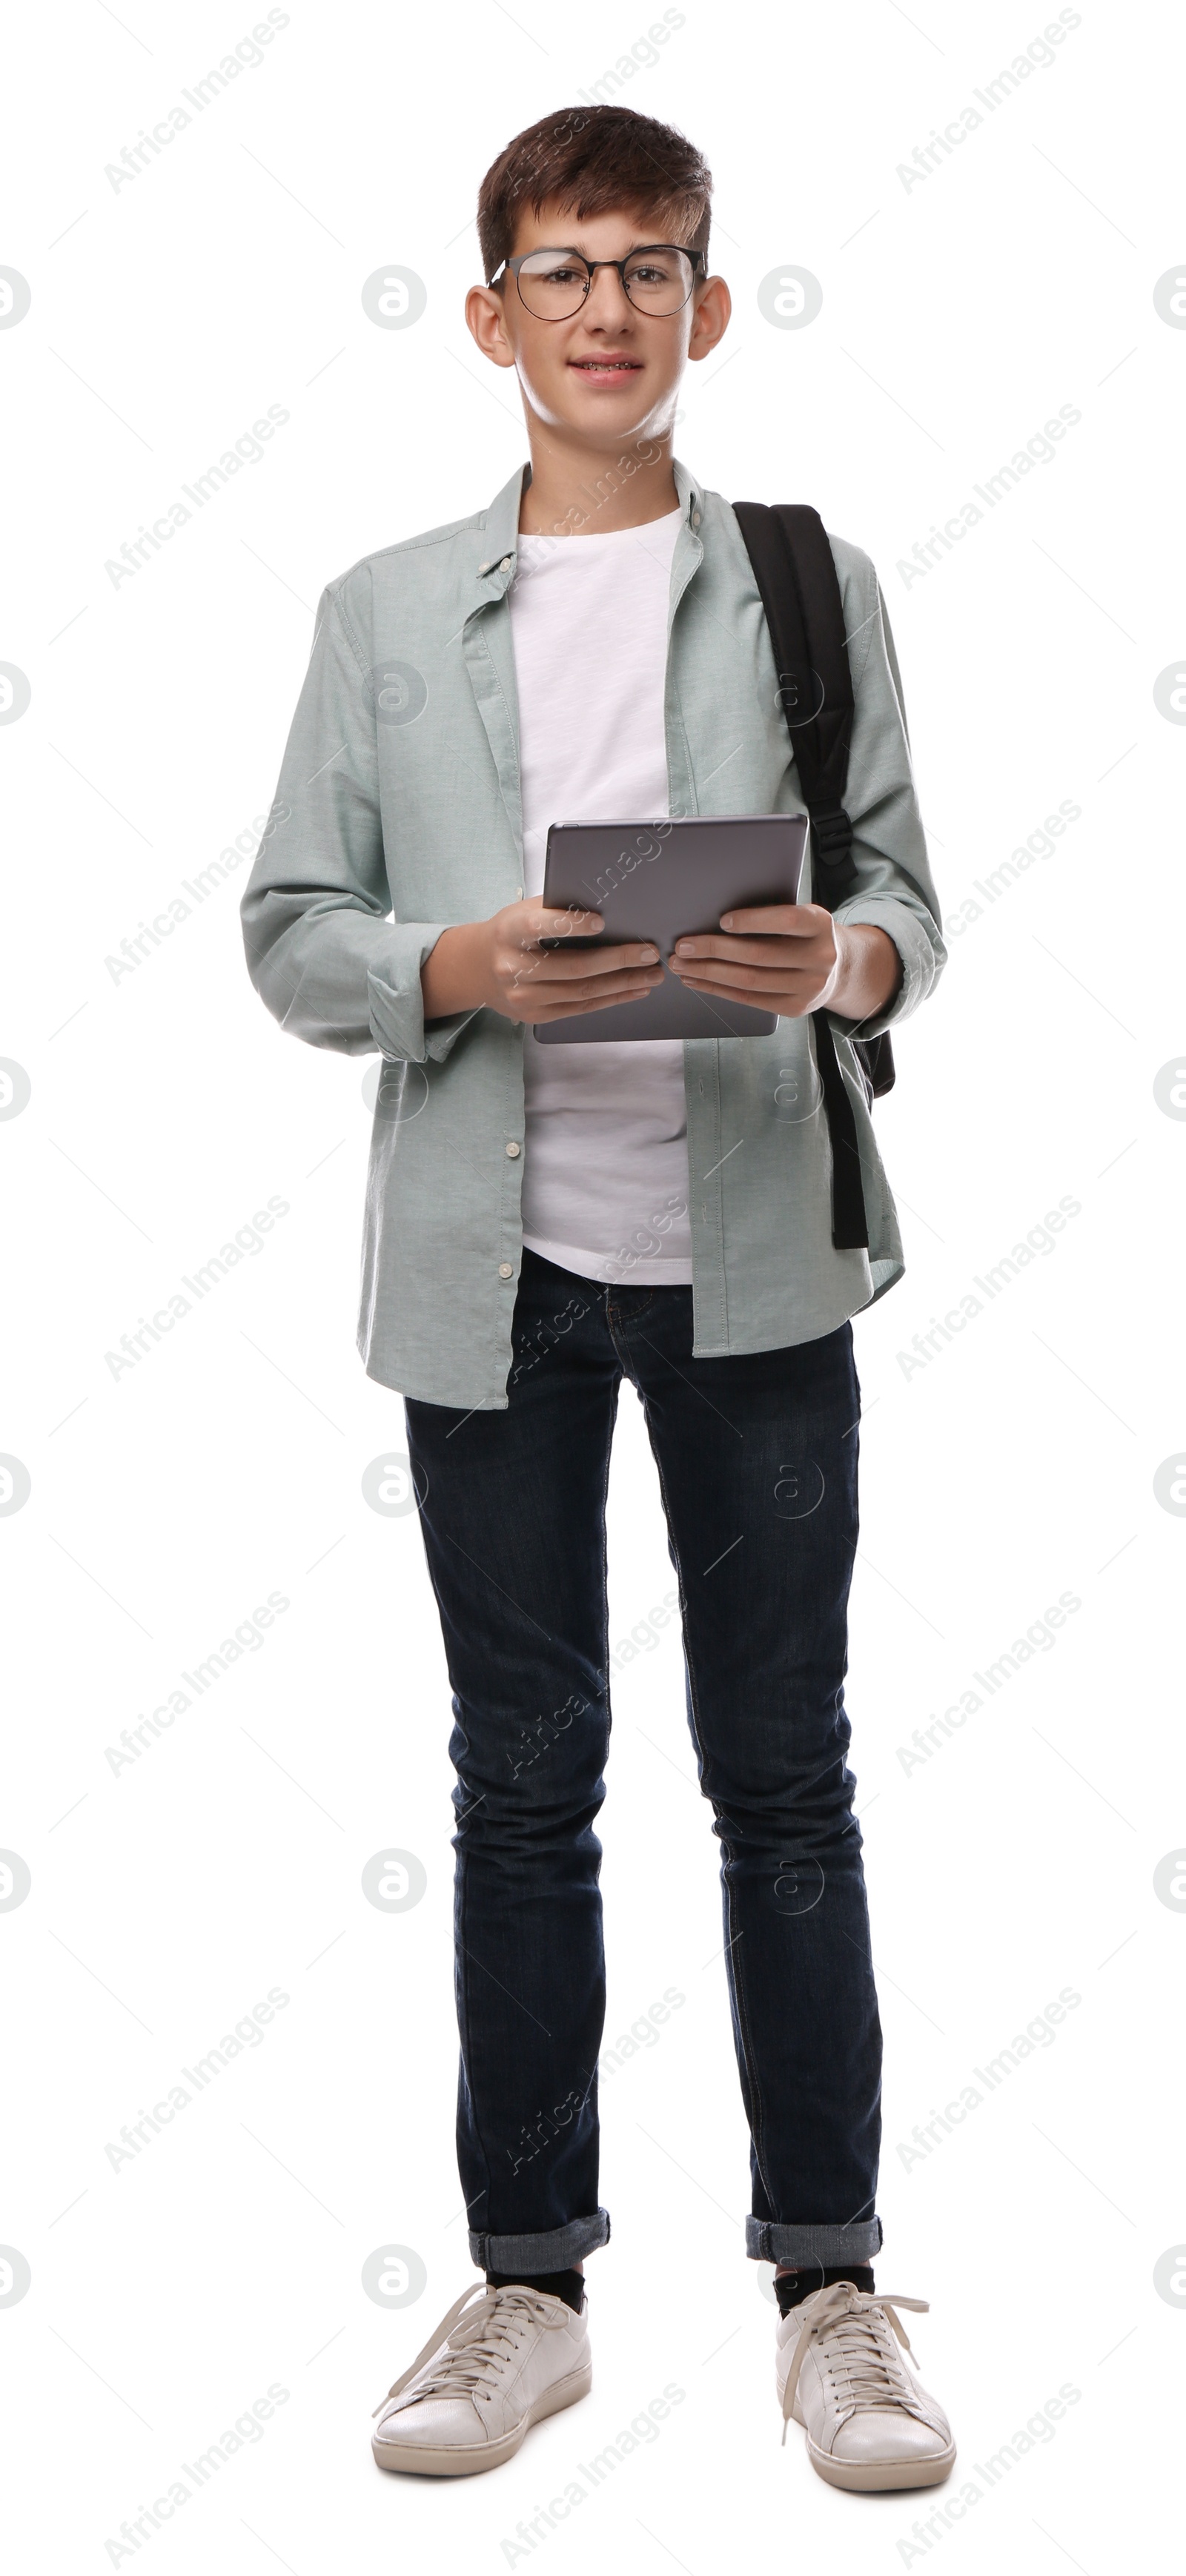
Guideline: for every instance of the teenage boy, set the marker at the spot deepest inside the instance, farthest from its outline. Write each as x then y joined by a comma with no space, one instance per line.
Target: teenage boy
545,1220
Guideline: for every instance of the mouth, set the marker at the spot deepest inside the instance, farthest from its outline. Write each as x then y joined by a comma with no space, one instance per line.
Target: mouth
606,366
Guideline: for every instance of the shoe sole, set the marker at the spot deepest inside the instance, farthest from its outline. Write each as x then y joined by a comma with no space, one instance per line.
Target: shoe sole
429,2461
875,2477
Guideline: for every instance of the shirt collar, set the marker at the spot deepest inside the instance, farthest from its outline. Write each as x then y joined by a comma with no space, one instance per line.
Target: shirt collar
500,536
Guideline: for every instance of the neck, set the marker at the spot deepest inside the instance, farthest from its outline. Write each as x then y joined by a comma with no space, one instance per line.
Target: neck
579,490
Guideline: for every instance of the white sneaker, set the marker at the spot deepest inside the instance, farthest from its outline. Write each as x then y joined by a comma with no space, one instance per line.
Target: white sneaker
487,2373
840,2373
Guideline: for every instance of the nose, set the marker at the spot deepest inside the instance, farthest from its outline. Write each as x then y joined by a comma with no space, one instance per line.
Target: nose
614,304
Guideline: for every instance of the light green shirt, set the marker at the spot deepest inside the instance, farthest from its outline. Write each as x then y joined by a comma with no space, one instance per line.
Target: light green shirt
398,815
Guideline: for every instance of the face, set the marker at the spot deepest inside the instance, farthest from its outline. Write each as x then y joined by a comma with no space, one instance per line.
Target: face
610,373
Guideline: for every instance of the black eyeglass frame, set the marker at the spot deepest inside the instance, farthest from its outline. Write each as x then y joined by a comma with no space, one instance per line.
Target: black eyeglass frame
511,267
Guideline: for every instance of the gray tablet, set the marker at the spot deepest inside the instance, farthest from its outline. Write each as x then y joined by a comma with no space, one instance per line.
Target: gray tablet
664,881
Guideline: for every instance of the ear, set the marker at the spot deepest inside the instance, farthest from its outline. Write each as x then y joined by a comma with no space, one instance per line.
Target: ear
487,323
710,318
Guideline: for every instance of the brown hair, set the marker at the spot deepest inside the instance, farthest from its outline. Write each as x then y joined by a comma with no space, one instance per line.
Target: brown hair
594,159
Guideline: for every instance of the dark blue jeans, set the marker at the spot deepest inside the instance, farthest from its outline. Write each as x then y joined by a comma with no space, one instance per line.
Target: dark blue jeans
757,1459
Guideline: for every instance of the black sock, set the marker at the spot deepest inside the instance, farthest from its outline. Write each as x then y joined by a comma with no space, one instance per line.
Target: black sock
793,2287
569,2286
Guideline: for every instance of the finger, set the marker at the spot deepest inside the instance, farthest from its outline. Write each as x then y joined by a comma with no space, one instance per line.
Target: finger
791,920
597,961
751,952
743,971
759,997
573,1010
574,989
547,924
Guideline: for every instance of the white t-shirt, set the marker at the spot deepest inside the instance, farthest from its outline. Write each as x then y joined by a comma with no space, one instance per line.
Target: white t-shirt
605,1176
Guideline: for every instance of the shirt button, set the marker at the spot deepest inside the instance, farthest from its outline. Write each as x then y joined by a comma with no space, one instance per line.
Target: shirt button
519,893
505,565
513,1149
695,518
506,1270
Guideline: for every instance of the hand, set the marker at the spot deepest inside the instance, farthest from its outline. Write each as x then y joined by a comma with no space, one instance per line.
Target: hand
500,963
791,958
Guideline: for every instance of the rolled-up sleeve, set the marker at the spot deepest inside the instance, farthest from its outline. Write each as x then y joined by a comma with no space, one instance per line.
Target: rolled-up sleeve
896,890
322,949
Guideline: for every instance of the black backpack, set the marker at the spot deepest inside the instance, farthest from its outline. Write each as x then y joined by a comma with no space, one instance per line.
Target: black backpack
796,576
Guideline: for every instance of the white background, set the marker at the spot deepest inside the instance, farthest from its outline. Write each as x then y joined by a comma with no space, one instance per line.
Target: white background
167,1897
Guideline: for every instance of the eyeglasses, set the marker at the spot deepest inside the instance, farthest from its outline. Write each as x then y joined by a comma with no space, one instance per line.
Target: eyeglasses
553,284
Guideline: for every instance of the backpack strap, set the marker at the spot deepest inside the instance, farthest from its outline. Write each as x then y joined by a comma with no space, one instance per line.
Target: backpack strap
796,577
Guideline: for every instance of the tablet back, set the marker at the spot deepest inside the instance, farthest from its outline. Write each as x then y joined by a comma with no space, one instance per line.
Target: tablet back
663,881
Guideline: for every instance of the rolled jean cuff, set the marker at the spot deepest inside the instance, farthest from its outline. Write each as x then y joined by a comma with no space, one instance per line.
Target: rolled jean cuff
556,2251
769,2241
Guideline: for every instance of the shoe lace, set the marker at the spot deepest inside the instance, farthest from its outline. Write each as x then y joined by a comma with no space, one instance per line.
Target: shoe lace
474,2343
848,2328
